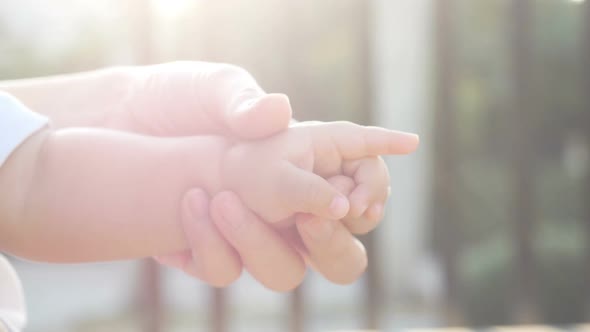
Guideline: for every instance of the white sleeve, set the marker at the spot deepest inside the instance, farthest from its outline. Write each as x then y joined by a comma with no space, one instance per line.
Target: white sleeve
17,123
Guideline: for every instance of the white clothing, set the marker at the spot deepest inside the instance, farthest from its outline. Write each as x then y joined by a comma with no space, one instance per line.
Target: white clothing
17,123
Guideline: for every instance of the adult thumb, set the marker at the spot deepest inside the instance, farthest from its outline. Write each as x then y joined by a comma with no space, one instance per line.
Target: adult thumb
259,116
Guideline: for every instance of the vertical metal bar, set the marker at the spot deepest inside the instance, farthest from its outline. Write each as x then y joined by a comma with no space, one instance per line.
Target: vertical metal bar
445,228
522,162
586,121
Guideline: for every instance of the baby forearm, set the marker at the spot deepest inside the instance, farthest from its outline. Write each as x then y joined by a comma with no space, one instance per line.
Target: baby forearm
103,195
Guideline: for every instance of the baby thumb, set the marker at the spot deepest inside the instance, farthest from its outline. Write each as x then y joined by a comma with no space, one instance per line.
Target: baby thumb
310,193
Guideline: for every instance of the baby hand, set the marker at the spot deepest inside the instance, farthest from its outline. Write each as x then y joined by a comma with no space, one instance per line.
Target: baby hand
285,174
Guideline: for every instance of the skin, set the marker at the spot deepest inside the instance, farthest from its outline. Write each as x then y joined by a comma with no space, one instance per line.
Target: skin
208,99
132,183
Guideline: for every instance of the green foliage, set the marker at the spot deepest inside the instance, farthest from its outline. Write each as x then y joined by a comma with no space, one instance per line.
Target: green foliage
488,274
483,99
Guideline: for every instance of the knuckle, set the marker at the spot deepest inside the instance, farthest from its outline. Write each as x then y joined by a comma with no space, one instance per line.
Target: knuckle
311,195
350,167
225,71
304,193
364,144
343,184
361,226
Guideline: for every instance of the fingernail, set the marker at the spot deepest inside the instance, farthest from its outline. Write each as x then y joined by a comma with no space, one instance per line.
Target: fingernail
409,135
413,138
198,205
339,207
279,98
248,104
274,99
376,210
359,202
361,209
319,230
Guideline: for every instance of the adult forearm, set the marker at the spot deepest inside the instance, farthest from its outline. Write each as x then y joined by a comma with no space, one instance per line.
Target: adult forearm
82,99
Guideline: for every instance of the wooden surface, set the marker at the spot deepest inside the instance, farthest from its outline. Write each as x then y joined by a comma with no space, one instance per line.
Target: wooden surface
519,328
516,328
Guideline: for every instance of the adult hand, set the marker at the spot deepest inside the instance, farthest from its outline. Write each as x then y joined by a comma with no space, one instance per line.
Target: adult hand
276,258
183,99
197,98
170,99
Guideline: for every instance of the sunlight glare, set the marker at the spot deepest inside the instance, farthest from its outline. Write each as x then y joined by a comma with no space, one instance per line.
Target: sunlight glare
171,8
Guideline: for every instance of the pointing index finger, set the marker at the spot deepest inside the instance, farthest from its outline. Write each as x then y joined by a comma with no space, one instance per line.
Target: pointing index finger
354,141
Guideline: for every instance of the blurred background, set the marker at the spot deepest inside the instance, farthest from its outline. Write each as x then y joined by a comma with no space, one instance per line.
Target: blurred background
489,222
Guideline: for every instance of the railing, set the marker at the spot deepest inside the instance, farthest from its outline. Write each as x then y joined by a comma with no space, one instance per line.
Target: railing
444,164
152,312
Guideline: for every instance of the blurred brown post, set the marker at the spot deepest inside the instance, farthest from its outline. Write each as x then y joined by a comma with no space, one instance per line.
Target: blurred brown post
150,291
218,315
151,297
291,43
373,284
586,124
445,205
297,315
207,49
373,298
522,161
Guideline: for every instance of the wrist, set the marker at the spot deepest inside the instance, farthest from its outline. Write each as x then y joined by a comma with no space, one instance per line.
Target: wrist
204,157
124,187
